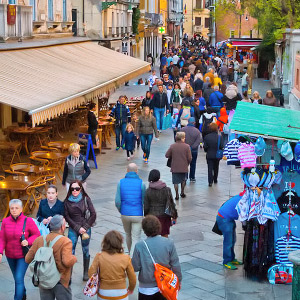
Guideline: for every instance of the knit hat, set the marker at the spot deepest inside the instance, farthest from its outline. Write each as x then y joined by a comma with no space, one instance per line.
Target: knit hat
260,146
154,175
285,150
297,152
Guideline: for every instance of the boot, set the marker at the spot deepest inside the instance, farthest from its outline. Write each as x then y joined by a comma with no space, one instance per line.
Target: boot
86,265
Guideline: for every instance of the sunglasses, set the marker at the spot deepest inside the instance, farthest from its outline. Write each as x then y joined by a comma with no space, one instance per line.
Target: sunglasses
75,189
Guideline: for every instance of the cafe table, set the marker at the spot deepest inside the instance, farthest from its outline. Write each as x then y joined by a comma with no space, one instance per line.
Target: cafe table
17,184
25,133
38,170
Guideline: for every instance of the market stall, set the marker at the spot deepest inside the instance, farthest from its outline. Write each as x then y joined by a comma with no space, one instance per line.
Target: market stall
265,144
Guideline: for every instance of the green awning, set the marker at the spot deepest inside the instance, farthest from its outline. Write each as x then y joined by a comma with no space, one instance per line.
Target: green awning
266,121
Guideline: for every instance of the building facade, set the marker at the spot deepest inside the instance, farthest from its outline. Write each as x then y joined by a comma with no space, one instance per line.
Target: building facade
175,21
33,18
196,18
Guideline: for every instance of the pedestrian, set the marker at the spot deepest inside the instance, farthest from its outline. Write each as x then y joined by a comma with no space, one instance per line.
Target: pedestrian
206,94
211,143
236,70
160,105
145,128
245,97
193,139
222,120
185,113
198,82
169,95
158,198
112,267
129,141
206,119
231,97
164,253
129,202
151,79
62,252
210,75
270,100
176,96
147,100
197,112
80,215
182,83
76,167
225,219
14,240
256,99
121,113
245,81
50,206
92,122
188,91
217,80
215,100
181,156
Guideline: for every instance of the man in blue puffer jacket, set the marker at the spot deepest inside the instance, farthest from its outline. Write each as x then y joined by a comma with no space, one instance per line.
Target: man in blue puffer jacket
130,201
216,100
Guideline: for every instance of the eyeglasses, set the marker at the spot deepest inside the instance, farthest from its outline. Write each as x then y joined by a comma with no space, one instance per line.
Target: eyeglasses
75,189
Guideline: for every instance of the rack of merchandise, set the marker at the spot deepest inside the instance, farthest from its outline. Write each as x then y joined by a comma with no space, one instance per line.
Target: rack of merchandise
265,144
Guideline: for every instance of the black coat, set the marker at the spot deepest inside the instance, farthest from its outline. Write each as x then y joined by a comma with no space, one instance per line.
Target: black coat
211,145
45,211
198,84
160,103
92,121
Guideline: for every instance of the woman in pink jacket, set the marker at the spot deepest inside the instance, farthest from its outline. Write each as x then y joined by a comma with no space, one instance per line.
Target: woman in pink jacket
11,241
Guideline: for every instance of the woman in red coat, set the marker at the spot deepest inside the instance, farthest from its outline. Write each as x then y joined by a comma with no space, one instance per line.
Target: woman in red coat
12,239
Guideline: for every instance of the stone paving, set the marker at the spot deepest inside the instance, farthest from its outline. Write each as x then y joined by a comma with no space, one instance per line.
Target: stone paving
199,249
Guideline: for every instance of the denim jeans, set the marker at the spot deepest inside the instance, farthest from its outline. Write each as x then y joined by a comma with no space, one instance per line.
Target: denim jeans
73,236
229,237
244,88
120,129
146,140
193,163
159,115
18,268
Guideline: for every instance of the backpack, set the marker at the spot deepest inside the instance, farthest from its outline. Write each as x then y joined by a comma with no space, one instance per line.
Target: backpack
225,127
166,280
206,122
44,269
186,114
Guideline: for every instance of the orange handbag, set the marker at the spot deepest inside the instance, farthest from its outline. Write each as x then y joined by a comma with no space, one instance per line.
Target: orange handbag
166,280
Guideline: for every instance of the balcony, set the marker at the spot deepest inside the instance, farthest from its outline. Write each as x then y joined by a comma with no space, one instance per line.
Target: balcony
23,23
154,19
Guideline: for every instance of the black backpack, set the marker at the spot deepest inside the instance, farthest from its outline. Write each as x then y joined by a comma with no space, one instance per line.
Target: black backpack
206,122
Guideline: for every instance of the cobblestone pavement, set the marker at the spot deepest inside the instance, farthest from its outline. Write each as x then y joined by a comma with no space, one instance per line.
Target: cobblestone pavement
199,250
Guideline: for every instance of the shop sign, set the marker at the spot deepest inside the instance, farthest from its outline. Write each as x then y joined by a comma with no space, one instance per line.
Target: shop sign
11,14
162,30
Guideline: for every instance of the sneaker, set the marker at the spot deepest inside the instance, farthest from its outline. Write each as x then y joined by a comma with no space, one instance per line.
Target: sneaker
128,158
230,266
146,160
215,181
117,148
156,139
192,180
144,155
236,262
123,146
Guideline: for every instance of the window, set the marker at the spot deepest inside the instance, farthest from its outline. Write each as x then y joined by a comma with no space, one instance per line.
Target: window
232,33
197,21
11,1
32,3
199,4
207,22
65,18
50,10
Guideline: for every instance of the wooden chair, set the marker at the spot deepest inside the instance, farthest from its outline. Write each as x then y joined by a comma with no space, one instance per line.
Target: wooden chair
20,166
53,149
34,194
13,173
39,161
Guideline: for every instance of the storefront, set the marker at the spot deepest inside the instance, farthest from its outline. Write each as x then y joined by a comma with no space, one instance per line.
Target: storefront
266,142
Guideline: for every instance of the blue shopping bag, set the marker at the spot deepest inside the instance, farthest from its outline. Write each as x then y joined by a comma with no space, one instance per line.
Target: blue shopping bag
167,122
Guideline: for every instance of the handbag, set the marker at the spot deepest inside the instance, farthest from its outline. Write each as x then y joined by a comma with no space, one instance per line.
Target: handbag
219,154
25,249
216,229
167,122
167,281
170,206
92,285
169,162
281,274
87,212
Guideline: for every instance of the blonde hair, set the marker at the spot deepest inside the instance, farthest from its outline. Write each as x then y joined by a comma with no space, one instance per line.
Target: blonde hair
143,112
179,135
129,125
256,93
74,147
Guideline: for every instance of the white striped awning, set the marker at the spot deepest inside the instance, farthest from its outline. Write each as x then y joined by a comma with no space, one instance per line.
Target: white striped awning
49,81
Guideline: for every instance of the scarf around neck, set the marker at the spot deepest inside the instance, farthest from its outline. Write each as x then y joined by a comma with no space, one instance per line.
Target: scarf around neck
75,199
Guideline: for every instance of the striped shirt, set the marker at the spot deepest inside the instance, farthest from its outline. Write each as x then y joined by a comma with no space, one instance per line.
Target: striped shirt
231,150
247,156
284,246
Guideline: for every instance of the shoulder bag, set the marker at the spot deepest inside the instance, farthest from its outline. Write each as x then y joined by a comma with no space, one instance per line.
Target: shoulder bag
87,211
92,285
170,206
167,281
25,249
219,154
